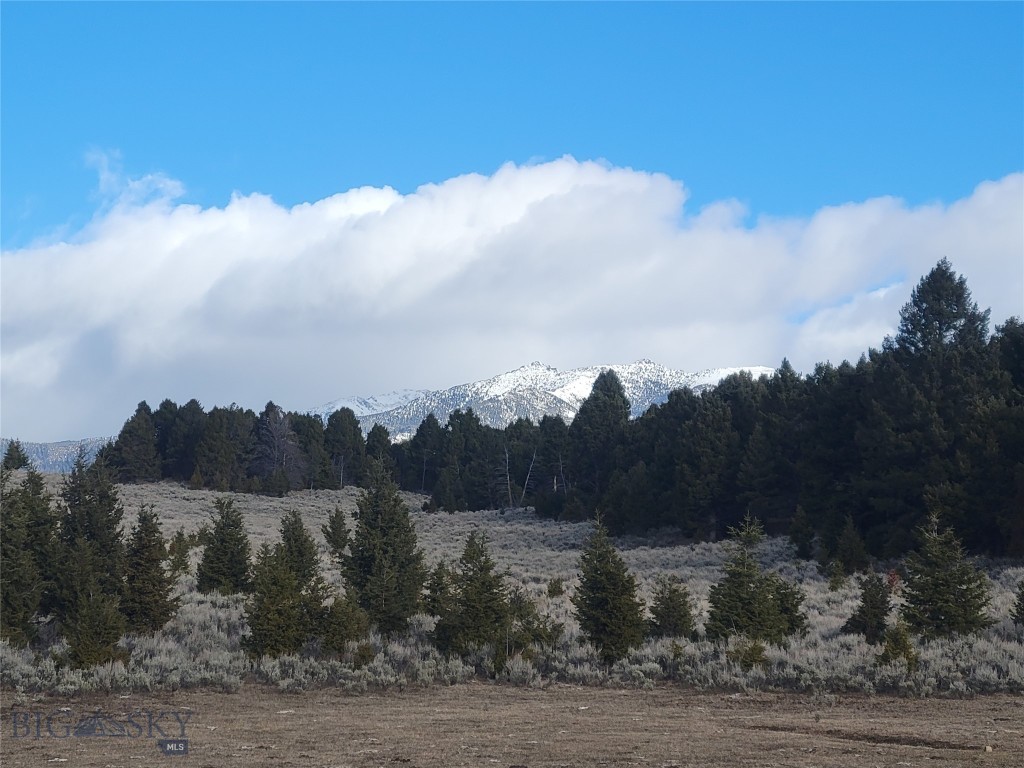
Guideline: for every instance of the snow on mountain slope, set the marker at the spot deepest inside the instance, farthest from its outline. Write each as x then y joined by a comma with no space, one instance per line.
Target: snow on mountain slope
530,392
366,406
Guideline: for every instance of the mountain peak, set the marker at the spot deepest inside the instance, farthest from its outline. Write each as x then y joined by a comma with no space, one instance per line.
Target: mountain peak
531,391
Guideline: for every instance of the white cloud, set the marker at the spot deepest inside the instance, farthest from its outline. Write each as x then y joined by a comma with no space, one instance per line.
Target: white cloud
369,290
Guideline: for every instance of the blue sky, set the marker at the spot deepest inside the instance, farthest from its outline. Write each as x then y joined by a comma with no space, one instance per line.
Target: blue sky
760,132
787,107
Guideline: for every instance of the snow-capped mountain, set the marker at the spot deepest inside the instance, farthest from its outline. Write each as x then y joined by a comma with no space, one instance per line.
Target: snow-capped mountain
58,457
530,392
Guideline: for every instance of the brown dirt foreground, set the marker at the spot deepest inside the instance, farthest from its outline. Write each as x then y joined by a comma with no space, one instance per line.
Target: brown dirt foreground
487,725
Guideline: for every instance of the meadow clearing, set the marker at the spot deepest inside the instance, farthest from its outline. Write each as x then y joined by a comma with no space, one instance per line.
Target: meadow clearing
820,700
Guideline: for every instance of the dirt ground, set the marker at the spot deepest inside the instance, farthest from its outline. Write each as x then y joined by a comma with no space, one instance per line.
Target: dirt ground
486,725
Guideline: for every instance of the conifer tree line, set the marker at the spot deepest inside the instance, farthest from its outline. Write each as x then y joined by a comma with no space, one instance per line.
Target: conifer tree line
854,455
69,570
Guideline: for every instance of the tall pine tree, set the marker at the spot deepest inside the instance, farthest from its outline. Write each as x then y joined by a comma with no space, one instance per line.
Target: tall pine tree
609,611
147,603
383,566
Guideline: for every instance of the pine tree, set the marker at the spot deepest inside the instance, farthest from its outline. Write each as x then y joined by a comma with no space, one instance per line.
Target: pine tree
134,456
225,563
1017,612
479,605
850,551
299,548
790,601
178,551
945,594
378,448
346,448
94,630
91,620
383,566
275,610
751,603
609,611
15,456
596,434
873,611
898,645
439,598
671,610
147,603
93,514
336,534
21,589
344,622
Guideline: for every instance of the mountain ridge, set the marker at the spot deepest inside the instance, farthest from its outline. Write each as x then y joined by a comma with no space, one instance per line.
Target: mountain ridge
531,391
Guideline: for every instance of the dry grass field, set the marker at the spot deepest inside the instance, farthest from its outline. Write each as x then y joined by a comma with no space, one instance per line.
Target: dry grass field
481,724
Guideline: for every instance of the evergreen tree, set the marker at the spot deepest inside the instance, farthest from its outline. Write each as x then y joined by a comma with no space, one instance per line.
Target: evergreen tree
346,448
299,549
378,448
384,567
275,611
15,456
479,605
526,628
898,645
941,314
309,434
768,480
945,594
344,622
439,600
226,449
609,611
147,603
178,551
790,601
88,616
850,551
873,611
671,610
751,603
596,435
336,534
21,589
1017,612
134,456
225,563
94,628
92,514
706,474
181,437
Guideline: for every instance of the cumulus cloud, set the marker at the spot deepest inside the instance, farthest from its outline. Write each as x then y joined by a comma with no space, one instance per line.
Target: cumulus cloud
368,290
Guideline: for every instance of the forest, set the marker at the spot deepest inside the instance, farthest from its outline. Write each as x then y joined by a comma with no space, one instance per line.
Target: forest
932,421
